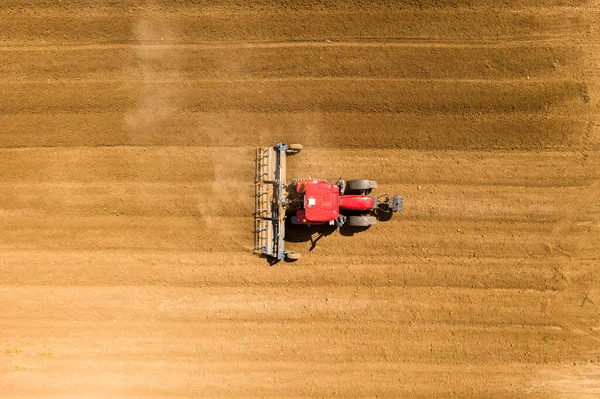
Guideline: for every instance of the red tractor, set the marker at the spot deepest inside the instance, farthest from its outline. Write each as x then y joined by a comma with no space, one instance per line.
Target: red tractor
308,202
340,203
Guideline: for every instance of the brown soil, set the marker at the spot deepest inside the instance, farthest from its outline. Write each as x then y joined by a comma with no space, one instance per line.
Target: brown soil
127,135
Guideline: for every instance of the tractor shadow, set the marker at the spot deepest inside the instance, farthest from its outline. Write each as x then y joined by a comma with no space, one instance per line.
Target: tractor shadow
349,231
313,234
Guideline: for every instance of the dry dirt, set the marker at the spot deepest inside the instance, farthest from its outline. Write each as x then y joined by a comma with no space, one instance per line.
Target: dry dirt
127,135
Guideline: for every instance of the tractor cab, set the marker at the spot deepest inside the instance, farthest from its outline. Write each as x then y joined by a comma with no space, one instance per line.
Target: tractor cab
321,201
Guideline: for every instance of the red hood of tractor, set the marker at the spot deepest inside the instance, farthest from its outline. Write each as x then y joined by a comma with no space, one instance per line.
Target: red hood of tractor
321,201
357,202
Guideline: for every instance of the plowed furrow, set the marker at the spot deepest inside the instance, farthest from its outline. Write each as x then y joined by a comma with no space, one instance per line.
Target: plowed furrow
339,95
414,60
314,129
22,28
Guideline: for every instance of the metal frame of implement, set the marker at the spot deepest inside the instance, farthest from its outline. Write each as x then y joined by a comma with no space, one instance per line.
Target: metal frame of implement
270,200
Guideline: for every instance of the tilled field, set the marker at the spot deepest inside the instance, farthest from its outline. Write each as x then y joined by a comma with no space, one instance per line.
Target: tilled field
127,136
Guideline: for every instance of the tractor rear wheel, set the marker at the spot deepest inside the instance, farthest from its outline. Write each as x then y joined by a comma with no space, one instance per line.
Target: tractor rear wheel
361,221
361,185
293,149
291,255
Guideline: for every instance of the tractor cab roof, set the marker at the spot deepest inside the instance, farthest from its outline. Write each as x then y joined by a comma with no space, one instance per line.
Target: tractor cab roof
321,201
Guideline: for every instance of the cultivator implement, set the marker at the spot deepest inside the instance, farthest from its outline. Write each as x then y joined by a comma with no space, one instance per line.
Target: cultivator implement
270,200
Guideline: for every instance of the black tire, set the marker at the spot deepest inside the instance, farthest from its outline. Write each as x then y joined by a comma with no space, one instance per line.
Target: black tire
360,185
291,255
294,149
361,221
